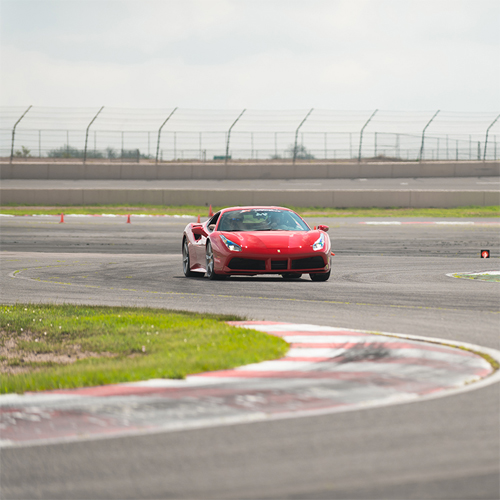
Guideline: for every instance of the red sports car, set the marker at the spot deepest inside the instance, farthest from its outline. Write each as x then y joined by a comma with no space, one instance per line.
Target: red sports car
256,240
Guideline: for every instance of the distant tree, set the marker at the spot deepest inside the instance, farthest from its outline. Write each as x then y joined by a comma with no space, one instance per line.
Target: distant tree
301,152
24,152
132,154
67,151
111,153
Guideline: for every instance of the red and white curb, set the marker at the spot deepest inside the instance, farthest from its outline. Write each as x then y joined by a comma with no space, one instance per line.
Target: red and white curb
326,370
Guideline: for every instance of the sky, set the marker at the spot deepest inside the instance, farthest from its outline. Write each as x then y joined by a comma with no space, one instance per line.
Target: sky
260,54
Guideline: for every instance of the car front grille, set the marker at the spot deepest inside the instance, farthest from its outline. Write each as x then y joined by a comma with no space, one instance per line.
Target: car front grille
279,264
247,264
316,262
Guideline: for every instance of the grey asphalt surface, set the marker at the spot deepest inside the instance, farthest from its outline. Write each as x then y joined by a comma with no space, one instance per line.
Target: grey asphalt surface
450,183
387,278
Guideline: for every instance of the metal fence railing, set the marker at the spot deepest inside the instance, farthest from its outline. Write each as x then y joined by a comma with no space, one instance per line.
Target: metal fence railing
186,134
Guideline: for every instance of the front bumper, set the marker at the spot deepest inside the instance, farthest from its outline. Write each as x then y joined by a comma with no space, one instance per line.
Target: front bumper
259,264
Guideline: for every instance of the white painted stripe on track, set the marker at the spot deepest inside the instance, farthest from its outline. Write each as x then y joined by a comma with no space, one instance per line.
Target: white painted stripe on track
327,339
443,222
278,365
382,223
288,327
314,352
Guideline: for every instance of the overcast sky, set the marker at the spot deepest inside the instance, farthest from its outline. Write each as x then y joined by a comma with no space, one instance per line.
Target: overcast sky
258,54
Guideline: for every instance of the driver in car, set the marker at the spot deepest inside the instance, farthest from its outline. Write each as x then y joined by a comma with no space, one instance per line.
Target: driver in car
234,224
281,220
275,220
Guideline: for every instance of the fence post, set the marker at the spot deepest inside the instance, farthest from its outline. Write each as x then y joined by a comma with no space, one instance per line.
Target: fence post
297,133
486,138
159,133
229,134
87,135
423,135
361,134
14,134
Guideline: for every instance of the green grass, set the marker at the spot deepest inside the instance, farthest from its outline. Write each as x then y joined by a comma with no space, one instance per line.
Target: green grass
120,345
470,211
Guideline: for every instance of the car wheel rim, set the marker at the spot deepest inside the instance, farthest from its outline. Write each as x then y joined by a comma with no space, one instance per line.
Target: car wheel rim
210,260
185,258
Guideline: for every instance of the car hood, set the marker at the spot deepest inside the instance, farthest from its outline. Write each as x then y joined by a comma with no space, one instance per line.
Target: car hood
274,239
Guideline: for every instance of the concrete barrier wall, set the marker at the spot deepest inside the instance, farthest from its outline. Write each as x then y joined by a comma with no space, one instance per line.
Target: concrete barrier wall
305,198
234,171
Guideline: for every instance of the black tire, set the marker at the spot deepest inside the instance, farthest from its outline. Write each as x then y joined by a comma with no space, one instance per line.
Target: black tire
186,262
210,274
292,276
320,276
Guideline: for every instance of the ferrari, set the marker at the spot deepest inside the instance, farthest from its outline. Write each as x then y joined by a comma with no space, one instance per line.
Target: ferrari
256,240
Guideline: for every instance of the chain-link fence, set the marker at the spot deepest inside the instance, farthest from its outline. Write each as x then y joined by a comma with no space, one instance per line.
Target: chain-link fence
187,134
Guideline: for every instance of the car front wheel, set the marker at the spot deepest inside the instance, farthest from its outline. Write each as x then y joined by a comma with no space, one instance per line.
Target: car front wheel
210,274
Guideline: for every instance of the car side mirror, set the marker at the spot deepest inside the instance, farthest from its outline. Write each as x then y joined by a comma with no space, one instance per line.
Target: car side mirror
324,228
199,231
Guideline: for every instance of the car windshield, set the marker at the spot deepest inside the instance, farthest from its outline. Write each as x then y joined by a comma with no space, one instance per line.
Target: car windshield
261,219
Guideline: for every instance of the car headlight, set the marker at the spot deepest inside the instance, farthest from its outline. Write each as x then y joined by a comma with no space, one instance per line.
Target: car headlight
319,243
230,244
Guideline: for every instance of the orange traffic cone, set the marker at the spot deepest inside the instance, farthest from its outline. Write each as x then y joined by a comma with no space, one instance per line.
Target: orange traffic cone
210,211
128,219
199,220
62,218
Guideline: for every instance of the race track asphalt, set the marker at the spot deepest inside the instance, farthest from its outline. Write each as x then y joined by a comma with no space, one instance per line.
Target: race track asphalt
390,278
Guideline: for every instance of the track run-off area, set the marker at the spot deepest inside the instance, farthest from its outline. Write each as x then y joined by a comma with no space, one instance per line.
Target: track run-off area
391,277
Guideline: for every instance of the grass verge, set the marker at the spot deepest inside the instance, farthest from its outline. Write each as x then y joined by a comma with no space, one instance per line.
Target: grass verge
47,347
470,211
